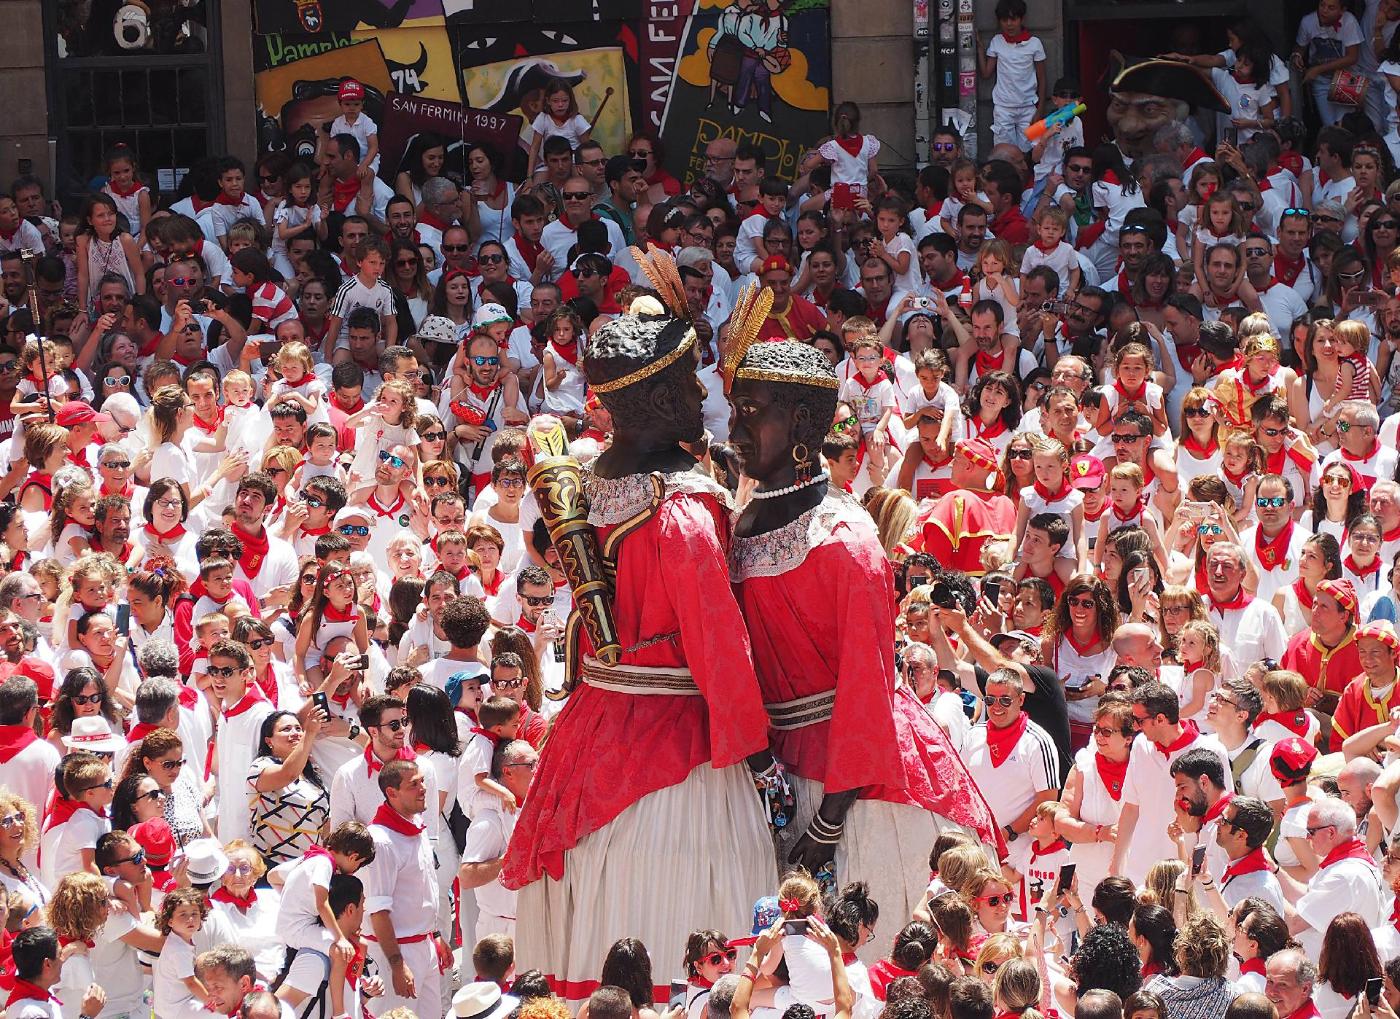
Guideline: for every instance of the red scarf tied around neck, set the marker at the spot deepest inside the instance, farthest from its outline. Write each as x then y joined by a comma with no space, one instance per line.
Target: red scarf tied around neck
387,817
254,549
1000,742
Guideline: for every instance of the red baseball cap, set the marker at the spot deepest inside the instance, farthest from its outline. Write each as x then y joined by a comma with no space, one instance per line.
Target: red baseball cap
155,837
75,412
351,89
1086,472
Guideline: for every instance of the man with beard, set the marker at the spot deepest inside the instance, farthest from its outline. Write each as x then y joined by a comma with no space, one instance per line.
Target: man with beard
972,231
385,503
1135,243
1281,302
402,222
17,662
12,279
113,515
1291,264
946,148
476,413
1224,286
938,261
1201,798
267,564
791,317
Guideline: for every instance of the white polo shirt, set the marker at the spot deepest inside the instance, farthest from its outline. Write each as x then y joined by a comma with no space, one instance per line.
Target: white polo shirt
60,848
1032,766
1346,886
1271,581
355,795
487,839
1148,785
1251,633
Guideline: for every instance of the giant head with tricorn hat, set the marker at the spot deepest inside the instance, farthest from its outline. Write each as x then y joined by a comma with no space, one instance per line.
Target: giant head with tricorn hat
1146,95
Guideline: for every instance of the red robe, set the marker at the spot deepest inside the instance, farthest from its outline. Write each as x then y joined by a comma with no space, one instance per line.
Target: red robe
607,749
826,623
1357,710
801,321
1328,671
961,522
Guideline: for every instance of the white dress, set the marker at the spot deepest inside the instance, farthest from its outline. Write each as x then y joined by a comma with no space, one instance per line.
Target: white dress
1096,806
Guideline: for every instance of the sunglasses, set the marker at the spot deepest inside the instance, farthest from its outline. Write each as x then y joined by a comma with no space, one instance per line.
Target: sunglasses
116,465
1257,252
402,262
385,457
1106,731
86,698
577,196
180,281
173,765
10,820
640,153
481,361
1081,603
1265,501
455,247
1314,829
100,785
117,380
354,530
310,578
1322,218
258,643
1018,454
945,146
222,671
1004,699
139,857
239,868
1004,899
1118,439
9,367
1198,412
432,436
1273,433
1212,529
490,259
716,958
539,601
584,274
312,501
1388,224
436,482
1078,167
393,726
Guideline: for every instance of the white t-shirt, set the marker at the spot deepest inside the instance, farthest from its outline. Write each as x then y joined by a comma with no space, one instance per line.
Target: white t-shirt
545,126
354,294
363,130
487,839
1324,44
847,168
174,964
298,923
1015,85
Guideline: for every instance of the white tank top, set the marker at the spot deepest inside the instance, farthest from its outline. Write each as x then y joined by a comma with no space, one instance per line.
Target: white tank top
568,396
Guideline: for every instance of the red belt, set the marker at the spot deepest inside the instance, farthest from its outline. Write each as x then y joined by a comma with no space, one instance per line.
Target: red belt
412,939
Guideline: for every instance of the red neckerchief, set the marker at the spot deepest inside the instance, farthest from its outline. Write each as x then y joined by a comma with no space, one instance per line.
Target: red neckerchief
1239,601
525,624
335,402
25,991
1362,571
988,362
373,763
434,222
1189,732
119,554
165,537
1391,535
1094,518
1111,773
387,817
1083,649
1214,812
65,941
331,614
253,695
479,731
316,532
17,563
1286,270
210,427
1050,497
1111,177
267,683
255,549
1186,353
1198,448
529,251
1193,157
1235,479
1137,511
314,336
1053,847
343,193
385,511
126,493
315,850
1000,742
1353,458
61,811
13,739
189,696
1352,849
1307,1010
1295,722
241,904
988,432
135,188
852,144
1274,463
494,588
1273,552
140,731
569,352
1305,597
1014,39
224,199
1251,863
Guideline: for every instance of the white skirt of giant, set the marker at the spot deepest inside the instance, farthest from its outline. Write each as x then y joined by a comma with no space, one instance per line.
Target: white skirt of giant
884,844
690,856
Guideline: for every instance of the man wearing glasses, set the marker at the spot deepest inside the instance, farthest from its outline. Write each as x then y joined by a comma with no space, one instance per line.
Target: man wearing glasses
1358,430
719,161
946,147
1281,301
1347,880
1132,443
1231,710
487,838
1013,760
355,792
441,209
1291,264
1250,627
244,707
1274,543
1283,453
562,234
1245,825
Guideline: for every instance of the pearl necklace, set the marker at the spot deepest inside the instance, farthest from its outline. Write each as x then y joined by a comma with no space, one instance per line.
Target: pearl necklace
774,493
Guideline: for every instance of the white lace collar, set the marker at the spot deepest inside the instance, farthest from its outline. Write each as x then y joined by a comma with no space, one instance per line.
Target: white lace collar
776,552
613,500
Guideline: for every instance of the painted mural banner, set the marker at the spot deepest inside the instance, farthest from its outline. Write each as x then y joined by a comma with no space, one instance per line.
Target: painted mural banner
295,99
406,117
756,71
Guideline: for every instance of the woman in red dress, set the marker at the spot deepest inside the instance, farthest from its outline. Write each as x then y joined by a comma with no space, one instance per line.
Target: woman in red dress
643,819
875,779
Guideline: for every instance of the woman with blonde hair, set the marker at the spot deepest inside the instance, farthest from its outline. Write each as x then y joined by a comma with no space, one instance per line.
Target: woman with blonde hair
996,951
1016,989
895,514
19,838
990,895
1160,888
1200,991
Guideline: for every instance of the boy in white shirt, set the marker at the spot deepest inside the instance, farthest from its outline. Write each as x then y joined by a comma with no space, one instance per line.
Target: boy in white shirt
306,922
1051,250
78,820
1017,60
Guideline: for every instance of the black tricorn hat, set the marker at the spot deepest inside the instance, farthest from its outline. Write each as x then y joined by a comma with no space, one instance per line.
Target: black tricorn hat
1170,78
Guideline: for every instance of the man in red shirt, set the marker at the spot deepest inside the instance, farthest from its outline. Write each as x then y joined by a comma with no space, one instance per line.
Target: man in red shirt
1004,187
971,515
1325,653
791,317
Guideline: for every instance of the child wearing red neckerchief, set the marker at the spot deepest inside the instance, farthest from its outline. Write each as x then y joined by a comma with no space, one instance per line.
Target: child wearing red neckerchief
1017,60
1051,250
872,395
